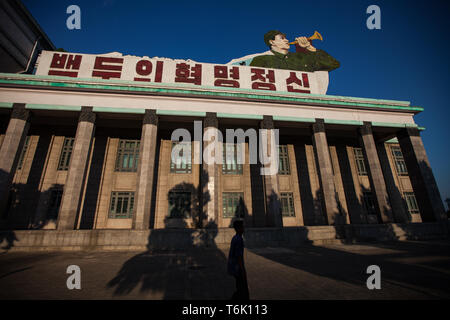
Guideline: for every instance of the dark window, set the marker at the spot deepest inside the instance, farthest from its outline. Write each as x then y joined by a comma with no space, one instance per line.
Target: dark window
127,155
233,204
400,164
230,165
23,153
179,204
411,202
122,204
66,153
183,162
360,162
369,202
283,163
287,204
54,204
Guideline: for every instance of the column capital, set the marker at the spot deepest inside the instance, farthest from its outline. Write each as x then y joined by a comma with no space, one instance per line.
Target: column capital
19,112
366,128
408,132
267,122
150,117
319,125
211,120
87,115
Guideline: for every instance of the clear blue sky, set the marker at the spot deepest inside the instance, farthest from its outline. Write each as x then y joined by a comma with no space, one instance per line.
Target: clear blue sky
408,59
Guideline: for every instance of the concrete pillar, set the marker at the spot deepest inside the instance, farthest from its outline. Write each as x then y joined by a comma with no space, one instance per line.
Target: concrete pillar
209,175
145,173
421,176
274,217
11,147
76,176
325,169
375,173
395,197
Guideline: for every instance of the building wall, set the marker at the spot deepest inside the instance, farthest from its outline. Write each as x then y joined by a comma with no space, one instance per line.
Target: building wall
21,38
39,172
402,182
289,183
51,180
341,198
167,182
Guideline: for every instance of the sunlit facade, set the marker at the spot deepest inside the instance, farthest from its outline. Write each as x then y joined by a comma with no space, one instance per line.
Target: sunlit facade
96,154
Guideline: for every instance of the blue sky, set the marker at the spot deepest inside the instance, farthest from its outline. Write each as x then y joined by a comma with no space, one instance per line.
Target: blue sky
406,60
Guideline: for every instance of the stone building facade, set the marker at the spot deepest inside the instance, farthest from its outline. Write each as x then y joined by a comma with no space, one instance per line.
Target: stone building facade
87,154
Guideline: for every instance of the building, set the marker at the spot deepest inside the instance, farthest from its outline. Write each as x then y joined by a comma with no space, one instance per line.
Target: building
94,152
21,38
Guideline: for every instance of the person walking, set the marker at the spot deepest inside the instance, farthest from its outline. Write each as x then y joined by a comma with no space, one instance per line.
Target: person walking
236,266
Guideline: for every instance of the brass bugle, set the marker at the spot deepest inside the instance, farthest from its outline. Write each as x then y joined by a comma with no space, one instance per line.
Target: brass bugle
315,36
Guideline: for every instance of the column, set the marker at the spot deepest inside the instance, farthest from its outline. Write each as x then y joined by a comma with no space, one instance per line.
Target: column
375,173
209,174
395,197
12,145
145,172
325,169
421,175
271,188
76,176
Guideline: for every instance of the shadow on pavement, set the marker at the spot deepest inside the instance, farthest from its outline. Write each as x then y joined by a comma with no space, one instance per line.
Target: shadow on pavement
184,272
401,267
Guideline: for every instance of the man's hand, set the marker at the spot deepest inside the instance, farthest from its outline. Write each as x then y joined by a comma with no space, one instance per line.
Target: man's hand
304,43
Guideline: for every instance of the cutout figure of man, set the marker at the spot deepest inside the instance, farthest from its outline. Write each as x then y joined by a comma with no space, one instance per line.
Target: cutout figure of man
307,58
236,266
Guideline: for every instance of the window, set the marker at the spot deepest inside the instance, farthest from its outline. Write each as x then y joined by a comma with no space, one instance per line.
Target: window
184,163
179,204
54,204
287,204
233,204
127,156
122,204
64,159
23,153
360,162
400,164
411,202
369,202
230,158
283,163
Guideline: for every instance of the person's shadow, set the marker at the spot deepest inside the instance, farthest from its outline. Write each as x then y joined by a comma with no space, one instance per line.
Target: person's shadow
9,236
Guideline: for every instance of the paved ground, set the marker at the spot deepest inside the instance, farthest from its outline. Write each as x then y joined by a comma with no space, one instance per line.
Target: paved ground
409,270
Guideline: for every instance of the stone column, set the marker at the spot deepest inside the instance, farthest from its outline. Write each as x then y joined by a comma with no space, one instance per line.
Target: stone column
274,217
395,197
324,166
421,176
76,176
11,147
209,213
375,173
145,172
258,196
